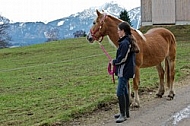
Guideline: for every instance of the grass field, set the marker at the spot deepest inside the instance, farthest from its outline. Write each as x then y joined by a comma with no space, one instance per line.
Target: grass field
57,81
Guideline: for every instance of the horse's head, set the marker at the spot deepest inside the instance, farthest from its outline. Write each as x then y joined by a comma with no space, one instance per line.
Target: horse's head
97,32
107,25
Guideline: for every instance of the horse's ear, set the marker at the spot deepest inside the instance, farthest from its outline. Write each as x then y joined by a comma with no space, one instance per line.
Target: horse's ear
98,13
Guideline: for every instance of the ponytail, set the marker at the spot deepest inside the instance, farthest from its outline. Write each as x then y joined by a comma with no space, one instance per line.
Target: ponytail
134,46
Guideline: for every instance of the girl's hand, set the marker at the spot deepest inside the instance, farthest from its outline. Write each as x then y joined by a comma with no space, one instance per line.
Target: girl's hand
111,62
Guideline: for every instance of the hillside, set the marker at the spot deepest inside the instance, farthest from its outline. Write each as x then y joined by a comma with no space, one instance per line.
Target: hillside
55,82
181,32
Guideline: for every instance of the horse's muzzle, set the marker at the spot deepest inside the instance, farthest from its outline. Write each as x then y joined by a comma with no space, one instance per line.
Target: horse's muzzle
90,38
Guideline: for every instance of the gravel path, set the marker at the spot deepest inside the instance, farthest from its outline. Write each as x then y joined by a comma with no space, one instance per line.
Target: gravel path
153,111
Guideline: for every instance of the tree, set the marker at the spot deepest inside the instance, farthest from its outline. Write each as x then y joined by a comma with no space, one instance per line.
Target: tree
52,34
125,17
4,37
79,33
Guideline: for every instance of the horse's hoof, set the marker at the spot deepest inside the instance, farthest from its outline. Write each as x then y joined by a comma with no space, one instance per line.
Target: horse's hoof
135,106
171,97
158,95
130,103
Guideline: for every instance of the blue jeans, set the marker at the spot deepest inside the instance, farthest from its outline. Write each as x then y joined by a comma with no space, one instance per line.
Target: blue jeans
122,88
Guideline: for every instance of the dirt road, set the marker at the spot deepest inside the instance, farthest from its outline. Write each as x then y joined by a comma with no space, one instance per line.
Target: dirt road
161,112
153,111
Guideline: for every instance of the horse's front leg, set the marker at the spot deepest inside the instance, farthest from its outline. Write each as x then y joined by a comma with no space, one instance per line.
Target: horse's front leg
129,93
136,81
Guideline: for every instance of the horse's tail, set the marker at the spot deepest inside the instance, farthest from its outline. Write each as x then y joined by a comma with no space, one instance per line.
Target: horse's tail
167,70
173,40
170,60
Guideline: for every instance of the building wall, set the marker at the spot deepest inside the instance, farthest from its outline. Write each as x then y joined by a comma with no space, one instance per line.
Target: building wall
146,12
182,11
165,12
146,8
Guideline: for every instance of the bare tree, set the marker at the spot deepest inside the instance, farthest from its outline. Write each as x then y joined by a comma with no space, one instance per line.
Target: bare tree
4,37
79,33
52,35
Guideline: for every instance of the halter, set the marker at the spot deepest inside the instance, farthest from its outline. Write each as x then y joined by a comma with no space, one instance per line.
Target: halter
98,29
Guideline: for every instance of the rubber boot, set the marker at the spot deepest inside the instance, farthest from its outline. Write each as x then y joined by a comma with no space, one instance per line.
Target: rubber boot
127,105
116,115
122,107
127,108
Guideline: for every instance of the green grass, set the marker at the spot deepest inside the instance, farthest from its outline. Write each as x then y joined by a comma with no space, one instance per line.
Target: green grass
57,81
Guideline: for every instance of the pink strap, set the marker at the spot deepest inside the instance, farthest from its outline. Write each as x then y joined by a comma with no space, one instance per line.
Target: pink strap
109,57
111,71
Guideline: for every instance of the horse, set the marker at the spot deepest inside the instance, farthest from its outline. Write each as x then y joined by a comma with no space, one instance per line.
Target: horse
157,45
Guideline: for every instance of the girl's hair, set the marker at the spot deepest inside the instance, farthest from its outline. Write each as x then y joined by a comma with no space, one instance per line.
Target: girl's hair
127,29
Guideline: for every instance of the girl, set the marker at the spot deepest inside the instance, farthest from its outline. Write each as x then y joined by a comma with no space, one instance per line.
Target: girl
125,69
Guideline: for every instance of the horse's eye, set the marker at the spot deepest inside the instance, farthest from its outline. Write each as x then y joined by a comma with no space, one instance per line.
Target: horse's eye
94,23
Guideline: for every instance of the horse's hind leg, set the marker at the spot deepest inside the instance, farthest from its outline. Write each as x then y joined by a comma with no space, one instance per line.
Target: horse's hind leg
161,88
170,73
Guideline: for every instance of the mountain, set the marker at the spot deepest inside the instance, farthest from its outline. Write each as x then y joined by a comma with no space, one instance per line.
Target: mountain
27,33
4,20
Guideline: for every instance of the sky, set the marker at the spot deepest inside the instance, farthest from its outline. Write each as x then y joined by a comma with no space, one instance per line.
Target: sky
49,10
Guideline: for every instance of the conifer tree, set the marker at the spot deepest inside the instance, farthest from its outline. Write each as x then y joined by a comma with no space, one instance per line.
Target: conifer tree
125,17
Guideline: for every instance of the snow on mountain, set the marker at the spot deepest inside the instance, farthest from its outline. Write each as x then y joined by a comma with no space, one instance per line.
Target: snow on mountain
27,33
4,20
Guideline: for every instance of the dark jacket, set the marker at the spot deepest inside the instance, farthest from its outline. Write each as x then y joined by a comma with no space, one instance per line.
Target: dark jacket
125,59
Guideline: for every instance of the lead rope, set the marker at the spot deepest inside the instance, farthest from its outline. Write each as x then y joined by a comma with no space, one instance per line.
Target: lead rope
111,70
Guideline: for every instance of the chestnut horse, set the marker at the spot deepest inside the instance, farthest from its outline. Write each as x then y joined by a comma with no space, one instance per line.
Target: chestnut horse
157,45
